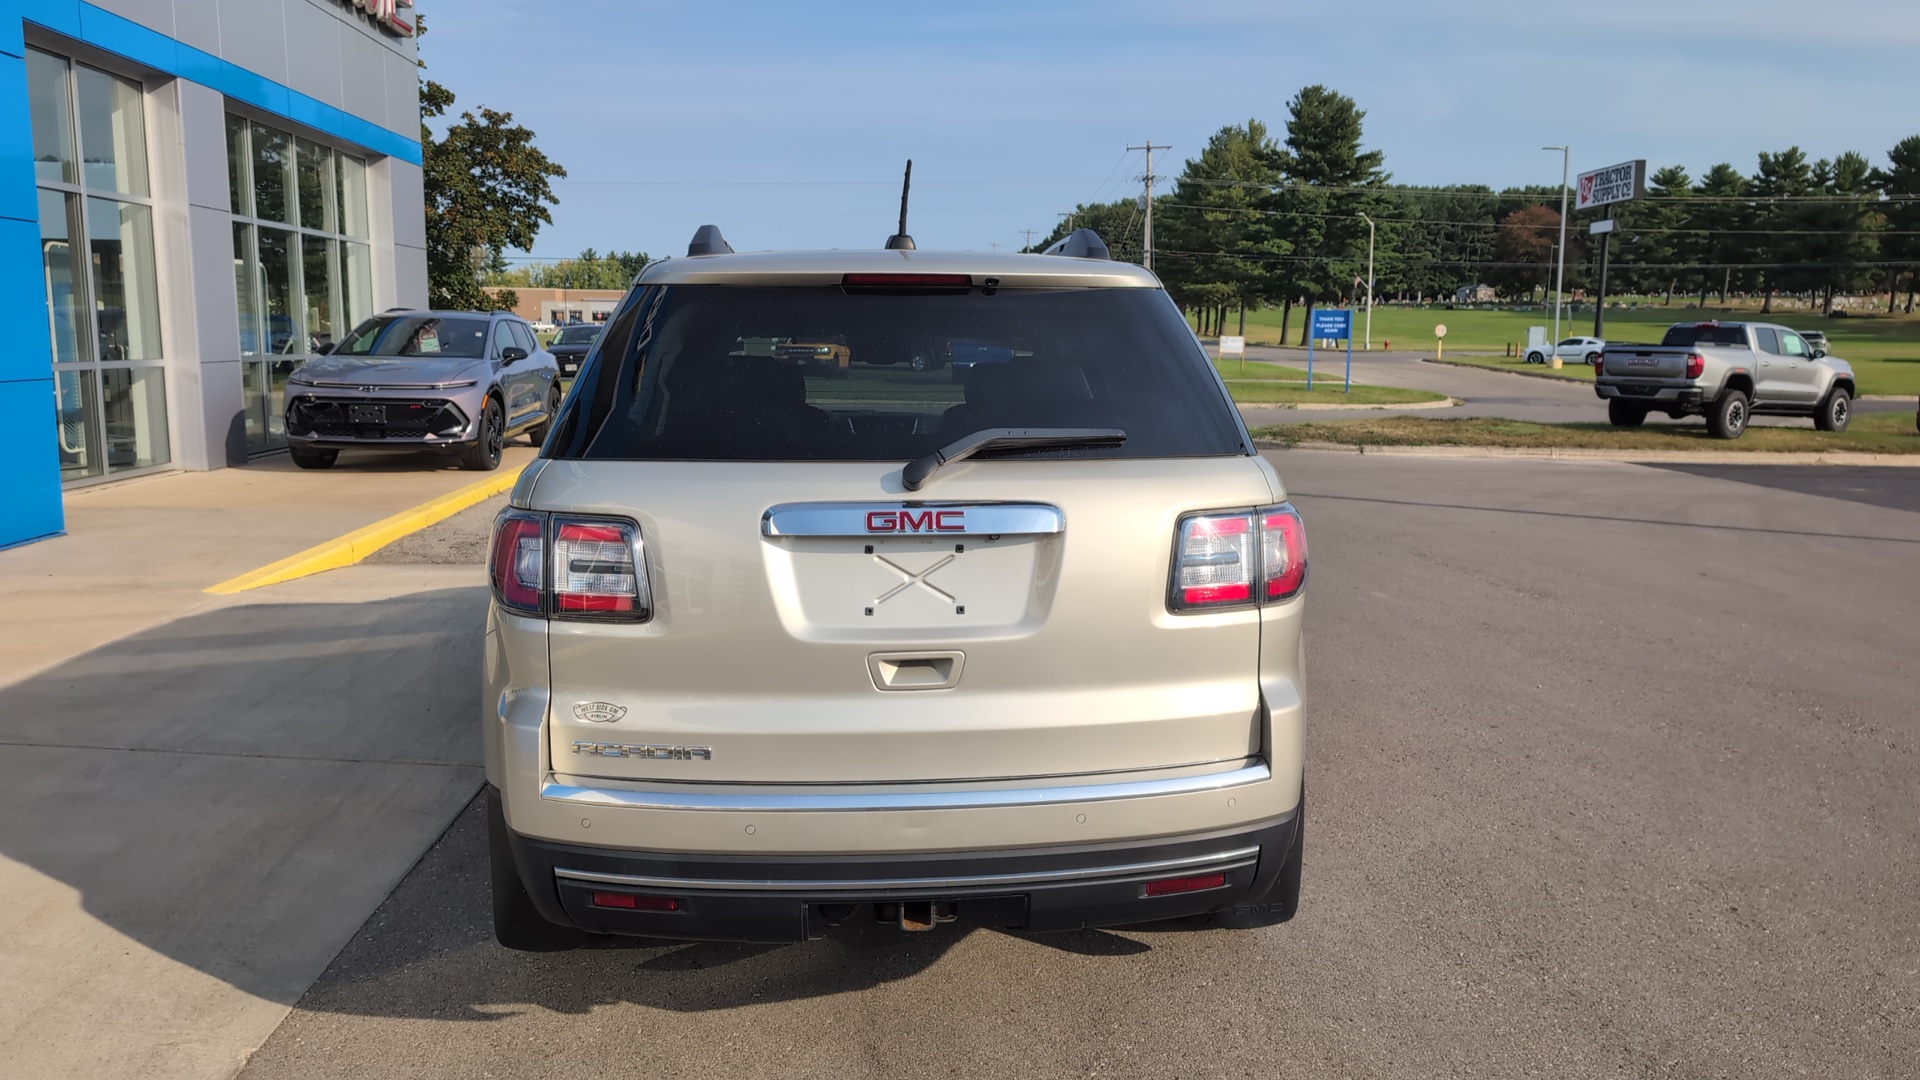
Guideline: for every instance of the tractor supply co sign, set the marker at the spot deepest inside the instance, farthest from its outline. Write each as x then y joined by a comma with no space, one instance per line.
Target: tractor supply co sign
1614,184
386,14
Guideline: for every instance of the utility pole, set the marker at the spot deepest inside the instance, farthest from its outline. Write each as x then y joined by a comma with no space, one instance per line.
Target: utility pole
1369,346
1560,275
1146,204
1028,235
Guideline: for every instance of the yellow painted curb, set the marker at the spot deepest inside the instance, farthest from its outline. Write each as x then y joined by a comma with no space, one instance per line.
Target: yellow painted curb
360,543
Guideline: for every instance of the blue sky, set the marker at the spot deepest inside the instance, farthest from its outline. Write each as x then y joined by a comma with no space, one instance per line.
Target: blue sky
787,123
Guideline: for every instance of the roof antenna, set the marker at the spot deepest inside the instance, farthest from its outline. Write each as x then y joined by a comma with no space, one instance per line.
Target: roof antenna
900,241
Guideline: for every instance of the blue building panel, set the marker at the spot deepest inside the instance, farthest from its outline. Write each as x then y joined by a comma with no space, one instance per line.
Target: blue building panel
29,463
17,199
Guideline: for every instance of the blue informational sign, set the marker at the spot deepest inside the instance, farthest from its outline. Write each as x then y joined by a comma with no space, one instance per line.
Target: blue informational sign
1333,325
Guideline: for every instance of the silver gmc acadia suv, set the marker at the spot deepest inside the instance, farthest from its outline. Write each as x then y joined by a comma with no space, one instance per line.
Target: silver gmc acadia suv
773,648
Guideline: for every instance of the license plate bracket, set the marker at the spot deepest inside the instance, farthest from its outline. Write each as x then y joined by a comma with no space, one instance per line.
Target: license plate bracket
367,414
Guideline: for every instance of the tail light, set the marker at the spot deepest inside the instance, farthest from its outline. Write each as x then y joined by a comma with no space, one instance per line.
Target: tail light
1238,558
1283,552
517,560
1696,364
567,567
1599,365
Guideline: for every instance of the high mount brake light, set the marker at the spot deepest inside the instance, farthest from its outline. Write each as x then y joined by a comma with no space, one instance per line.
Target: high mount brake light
1696,364
909,281
1238,558
560,566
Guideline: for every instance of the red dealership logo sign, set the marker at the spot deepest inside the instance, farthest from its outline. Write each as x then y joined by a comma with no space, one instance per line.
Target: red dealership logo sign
386,14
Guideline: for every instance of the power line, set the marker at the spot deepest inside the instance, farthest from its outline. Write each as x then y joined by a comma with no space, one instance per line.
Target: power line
1499,264
1626,228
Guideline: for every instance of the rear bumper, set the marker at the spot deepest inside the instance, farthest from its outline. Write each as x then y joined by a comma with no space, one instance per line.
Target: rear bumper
1654,396
775,898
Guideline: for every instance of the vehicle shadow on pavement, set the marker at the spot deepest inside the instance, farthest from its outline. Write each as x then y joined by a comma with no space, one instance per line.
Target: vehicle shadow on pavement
234,791
429,953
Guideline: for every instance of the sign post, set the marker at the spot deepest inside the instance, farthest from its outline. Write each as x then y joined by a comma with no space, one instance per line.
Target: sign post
1231,345
1334,325
1620,183
1440,341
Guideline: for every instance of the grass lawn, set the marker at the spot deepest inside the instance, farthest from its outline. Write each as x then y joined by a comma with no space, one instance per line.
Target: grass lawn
1255,370
1872,433
1884,349
1330,392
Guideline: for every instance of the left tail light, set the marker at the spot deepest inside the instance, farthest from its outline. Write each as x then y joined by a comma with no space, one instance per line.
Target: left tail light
564,566
1238,559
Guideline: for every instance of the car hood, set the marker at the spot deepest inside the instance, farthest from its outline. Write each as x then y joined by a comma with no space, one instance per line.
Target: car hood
391,370
558,347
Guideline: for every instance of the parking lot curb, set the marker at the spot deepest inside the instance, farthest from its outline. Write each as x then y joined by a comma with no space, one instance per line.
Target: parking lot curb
1644,457
1335,406
360,543
1506,371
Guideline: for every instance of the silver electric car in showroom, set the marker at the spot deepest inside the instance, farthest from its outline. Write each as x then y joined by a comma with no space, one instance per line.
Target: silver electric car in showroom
772,649
462,382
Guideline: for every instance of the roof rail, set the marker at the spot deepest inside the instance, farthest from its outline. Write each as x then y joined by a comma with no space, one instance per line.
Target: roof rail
391,310
708,241
1081,244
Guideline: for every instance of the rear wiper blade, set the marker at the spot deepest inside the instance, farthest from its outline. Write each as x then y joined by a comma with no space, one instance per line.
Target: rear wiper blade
921,469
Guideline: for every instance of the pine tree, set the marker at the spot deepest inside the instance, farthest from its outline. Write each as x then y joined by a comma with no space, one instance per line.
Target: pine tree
1900,184
1328,183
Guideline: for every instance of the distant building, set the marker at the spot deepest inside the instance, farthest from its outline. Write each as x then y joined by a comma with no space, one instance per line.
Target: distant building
562,306
1475,294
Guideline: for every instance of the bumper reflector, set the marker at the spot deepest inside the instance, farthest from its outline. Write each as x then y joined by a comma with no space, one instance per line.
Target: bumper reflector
635,902
1174,885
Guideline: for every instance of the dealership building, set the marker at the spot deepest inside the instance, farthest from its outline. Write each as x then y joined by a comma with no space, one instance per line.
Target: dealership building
195,196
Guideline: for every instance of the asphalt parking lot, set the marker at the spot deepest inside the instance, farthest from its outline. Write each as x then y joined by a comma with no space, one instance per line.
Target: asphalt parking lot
1612,775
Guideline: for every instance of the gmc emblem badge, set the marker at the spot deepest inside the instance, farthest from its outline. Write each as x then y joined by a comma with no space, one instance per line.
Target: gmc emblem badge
908,521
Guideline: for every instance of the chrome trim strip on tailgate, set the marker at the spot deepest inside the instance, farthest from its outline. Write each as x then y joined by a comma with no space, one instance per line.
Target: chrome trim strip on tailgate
667,799
933,519
1219,860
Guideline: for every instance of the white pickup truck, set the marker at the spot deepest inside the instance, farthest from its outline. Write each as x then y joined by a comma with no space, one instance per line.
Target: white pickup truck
1727,372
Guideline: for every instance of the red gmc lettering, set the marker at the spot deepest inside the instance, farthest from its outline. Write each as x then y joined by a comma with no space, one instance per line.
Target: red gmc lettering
887,521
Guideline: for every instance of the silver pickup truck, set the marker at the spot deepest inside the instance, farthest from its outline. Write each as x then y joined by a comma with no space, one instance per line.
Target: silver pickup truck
1727,372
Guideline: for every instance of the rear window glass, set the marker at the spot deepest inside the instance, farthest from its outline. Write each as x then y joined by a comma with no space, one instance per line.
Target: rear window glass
577,335
1735,334
736,373
454,337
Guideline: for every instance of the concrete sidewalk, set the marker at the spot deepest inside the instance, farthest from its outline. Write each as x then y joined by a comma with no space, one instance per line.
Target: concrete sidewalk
139,553
196,817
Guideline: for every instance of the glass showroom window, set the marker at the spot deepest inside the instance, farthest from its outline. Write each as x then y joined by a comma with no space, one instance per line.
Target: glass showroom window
96,248
302,265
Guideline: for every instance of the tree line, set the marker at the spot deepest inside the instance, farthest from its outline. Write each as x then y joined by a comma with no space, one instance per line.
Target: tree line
1258,221
590,270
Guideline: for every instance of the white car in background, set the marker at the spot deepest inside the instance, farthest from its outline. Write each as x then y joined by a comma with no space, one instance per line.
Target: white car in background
1583,350
543,327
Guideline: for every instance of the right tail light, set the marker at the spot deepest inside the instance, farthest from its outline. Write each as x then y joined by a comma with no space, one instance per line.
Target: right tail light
1696,365
564,566
1238,558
